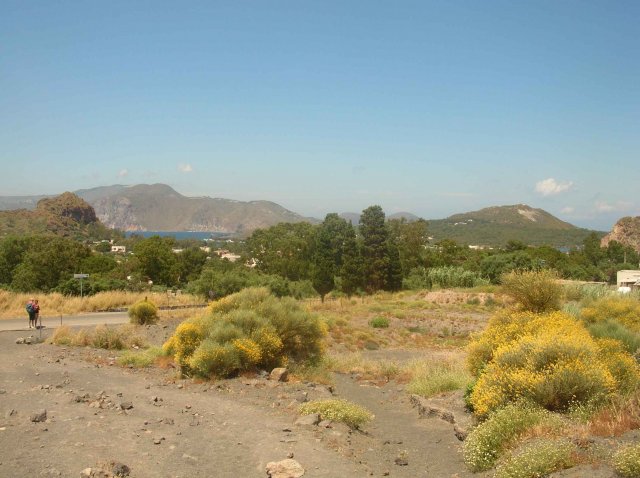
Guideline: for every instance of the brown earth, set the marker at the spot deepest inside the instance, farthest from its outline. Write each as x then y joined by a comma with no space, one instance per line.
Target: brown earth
182,428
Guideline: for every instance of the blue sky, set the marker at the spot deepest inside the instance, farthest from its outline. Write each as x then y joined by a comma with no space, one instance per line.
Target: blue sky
432,107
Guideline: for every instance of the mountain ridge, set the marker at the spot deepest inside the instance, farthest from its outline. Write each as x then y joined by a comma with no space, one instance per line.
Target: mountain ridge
158,207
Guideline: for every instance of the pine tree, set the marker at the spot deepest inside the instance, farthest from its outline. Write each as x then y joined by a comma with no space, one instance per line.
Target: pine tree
374,248
351,271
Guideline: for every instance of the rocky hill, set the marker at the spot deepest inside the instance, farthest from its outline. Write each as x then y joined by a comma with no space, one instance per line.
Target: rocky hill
158,207
494,226
66,215
626,231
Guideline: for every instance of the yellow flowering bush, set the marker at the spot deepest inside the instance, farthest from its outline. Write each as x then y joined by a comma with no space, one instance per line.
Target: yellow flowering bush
250,352
549,359
247,330
184,341
622,309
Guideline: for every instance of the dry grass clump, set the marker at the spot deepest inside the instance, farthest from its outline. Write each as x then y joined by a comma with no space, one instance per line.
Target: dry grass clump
12,304
110,338
431,377
619,416
140,358
338,410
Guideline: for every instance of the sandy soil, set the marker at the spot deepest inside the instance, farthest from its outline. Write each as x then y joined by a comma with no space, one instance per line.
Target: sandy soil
180,428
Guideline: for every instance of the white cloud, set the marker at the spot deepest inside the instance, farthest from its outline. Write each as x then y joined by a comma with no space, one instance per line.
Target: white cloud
185,168
550,187
123,173
567,210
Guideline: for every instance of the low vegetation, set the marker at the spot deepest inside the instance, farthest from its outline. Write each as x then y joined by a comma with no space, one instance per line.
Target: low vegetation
535,291
102,336
537,458
338,410
626,461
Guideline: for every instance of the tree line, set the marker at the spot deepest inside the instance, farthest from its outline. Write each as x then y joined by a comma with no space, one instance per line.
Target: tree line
297,259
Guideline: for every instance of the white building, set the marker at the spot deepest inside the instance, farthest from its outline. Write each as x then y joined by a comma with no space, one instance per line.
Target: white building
628,279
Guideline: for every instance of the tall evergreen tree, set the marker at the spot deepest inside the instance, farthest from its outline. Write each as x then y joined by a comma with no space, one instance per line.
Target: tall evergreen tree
374,248
351,272
323,263
394,272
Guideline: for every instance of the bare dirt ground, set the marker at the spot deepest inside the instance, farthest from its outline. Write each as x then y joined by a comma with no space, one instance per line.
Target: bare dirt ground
162,426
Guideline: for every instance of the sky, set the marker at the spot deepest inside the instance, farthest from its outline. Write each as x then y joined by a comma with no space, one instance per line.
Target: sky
430,107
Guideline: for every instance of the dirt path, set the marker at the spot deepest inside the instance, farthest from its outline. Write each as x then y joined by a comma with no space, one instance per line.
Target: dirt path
180,429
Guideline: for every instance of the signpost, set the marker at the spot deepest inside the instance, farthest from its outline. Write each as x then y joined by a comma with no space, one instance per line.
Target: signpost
81,276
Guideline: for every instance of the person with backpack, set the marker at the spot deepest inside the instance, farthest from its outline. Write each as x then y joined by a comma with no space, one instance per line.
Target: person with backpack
31,312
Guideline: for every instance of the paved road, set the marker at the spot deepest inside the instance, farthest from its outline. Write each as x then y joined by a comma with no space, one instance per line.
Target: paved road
96,318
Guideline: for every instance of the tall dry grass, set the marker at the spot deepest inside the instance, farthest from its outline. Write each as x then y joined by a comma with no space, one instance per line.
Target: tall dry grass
12,304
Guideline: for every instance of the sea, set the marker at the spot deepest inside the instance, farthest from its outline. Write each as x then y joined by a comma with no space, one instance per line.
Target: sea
199,235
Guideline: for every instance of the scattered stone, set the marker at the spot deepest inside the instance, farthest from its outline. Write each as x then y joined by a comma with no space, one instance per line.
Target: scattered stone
311,419
279,374
126,405
11,413
20,340
285,469
303,397
2,391
157,441
401,461
40,416
167,421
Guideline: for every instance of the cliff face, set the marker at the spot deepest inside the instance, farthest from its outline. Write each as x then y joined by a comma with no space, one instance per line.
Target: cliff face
66,215
626,231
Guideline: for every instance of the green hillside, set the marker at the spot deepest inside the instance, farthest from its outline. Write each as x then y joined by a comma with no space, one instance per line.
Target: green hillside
495,226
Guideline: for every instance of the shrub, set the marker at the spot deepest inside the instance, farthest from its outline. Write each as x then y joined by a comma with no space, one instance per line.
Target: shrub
626,461
535,291
549,359
338,410
143,312
487,442
246,330
537,458
379,323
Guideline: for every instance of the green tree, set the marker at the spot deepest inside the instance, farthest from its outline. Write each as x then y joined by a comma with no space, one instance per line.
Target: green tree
394,272
12,251
189,264
48,261
374,248
323,262
285,249
156,260
351,272
411,239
